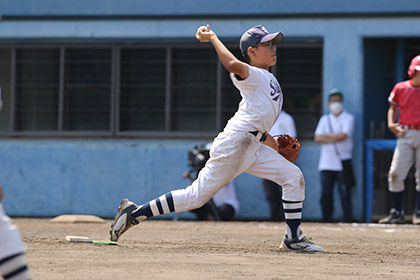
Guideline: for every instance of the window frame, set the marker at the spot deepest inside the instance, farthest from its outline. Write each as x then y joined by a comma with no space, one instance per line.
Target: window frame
115,79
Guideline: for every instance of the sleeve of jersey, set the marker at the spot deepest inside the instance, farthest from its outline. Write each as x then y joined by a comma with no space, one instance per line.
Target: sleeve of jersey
393,96
250,84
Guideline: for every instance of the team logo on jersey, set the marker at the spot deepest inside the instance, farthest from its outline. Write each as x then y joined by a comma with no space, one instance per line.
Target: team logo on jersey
275,90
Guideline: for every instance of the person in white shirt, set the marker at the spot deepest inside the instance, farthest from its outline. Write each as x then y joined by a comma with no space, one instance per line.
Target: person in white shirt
335,133
243,146
272,191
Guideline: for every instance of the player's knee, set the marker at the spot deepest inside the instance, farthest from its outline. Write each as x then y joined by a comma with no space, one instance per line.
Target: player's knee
395,185
199,200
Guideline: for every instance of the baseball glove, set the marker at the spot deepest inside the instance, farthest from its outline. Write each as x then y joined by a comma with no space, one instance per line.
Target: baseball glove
288,147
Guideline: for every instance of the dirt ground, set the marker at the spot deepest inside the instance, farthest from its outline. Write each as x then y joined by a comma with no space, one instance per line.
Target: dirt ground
160,249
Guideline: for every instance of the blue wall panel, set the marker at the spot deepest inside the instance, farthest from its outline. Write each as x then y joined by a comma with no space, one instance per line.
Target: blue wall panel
54,177
202,7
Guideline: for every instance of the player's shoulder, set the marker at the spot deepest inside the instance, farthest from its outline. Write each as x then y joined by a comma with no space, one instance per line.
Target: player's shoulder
323,119
347,115
254,74
402,85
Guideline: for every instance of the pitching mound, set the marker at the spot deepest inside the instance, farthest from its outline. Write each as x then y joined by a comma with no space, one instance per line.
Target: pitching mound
77,219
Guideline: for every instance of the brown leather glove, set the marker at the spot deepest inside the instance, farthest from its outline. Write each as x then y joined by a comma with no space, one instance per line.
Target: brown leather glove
288,147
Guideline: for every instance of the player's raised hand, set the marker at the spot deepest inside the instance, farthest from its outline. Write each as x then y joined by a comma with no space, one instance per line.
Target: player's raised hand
204,33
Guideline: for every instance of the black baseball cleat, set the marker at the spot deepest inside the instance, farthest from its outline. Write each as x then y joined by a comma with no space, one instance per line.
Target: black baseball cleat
123,221
394,217
300,243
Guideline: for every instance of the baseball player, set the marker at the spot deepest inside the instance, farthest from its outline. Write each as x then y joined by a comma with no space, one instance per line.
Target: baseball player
239,147
13,263
405,96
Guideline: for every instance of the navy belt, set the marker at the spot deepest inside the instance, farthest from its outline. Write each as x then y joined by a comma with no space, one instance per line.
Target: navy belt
263,136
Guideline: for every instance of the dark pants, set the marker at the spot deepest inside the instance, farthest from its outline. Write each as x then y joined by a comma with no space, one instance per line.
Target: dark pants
273,193
328,180
207,212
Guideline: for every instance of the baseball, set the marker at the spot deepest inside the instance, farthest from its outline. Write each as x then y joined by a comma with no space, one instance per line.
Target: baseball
200,30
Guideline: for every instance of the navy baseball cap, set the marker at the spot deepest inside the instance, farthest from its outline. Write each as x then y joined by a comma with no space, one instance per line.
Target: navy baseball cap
258,34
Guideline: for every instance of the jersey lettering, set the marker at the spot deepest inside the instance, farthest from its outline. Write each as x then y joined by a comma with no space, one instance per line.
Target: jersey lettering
276,90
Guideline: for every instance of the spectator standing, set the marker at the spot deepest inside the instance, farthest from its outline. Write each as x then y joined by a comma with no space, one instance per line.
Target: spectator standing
335,133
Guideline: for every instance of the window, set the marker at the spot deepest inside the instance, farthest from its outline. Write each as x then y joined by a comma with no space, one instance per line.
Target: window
194,90
37,82
143,89
87,89
299,71
175,90
231,96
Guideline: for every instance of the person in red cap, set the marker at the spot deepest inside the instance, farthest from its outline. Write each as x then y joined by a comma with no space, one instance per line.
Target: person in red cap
405,96
240,146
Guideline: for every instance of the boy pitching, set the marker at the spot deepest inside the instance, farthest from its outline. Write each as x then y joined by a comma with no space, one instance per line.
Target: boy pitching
240,146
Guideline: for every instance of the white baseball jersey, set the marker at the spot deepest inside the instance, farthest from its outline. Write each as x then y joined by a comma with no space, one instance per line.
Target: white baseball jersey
261,103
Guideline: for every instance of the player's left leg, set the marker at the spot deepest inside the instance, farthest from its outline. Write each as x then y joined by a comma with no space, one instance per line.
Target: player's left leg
272,166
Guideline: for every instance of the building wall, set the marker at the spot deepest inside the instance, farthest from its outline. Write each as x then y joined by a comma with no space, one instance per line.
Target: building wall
54,177
47,177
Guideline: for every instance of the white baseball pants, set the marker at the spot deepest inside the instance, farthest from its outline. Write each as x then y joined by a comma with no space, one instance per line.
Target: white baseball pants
235,152
406,153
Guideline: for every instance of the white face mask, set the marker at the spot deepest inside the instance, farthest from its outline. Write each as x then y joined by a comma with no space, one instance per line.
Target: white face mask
336,107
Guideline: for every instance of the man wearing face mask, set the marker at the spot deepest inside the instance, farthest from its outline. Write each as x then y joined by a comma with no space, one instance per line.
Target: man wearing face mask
335,133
